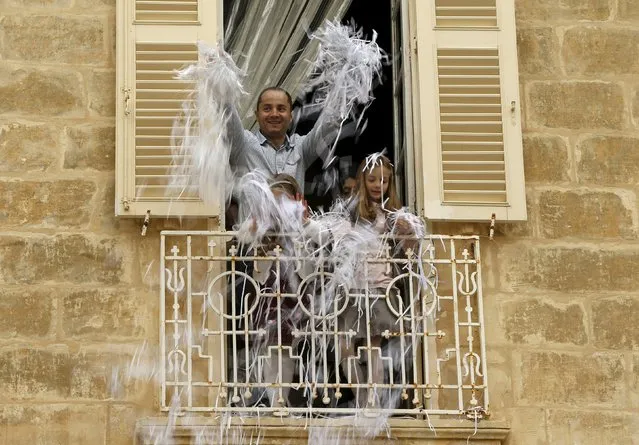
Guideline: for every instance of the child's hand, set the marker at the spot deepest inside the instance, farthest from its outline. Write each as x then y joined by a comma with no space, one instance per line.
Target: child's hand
403,227
300,198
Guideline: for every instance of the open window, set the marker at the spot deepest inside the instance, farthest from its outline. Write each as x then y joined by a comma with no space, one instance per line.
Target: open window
448,111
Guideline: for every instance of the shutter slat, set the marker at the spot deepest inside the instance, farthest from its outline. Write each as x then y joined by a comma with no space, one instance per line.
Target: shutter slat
454,173
463,153
158,103
466,95
471,95
151,169
476,182
471,115
160,159
166,11
466,13
475,192
467,134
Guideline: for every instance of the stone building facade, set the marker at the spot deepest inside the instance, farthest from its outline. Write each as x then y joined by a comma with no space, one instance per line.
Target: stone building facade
78,288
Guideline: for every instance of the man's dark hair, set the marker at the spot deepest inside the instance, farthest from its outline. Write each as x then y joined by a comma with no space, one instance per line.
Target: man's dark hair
288,96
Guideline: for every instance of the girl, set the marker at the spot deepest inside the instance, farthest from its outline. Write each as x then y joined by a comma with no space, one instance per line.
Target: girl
368,313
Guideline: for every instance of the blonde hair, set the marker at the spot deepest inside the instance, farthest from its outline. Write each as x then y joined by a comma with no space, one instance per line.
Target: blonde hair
365,208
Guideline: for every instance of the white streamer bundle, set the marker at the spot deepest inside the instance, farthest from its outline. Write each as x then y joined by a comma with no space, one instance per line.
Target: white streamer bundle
200,149
345,72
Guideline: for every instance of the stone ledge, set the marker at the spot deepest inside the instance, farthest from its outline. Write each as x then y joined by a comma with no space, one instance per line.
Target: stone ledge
269,430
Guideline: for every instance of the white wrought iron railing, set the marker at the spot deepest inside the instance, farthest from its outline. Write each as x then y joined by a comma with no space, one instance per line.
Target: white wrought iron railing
264,330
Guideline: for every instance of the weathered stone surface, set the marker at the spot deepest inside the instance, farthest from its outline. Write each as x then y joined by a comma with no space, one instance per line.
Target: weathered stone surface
60,258
500,387
565,10
627,10
528,426
90,147
608,160
576,104
92,4
634,383
112,33
586,214
102,312
37,3
545,159
60,203
93,374
567,269
40,92
635,106
28,373
574,379
538,51
108,221
518,228
27,148
41,374
537,322
595,51
54,38
53,424
26,312
614,322
592,427
122,420
494,331
102,93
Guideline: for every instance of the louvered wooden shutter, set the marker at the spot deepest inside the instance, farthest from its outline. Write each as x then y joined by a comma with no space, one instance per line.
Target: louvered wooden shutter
155,38
467,109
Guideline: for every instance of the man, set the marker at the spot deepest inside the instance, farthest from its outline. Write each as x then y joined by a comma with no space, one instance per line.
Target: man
270,149
348,186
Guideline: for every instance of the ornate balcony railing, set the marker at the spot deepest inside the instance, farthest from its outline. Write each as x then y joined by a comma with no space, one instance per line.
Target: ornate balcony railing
272,330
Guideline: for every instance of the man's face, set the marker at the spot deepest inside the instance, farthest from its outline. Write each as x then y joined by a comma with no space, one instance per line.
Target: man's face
348,186
274,114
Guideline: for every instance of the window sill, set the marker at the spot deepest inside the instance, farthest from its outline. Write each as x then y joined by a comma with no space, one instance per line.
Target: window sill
274,430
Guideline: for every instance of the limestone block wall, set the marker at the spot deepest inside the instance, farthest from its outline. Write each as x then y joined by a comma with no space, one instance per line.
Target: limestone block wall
78,288
563,288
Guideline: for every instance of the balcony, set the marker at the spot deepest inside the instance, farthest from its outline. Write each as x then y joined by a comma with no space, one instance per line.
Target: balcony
268,331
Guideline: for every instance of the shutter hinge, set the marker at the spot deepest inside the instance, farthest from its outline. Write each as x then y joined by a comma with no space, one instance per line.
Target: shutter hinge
127,100
491,230
145,224
126,204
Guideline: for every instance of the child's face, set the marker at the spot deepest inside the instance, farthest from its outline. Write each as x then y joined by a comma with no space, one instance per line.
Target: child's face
376,182
282,194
